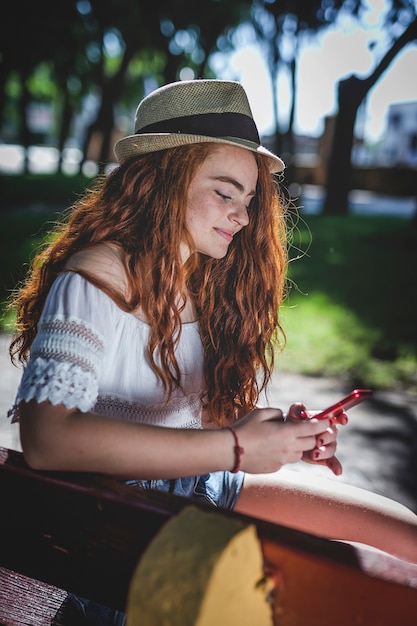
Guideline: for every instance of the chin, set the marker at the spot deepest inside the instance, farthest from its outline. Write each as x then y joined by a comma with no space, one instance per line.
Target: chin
214,255
219,255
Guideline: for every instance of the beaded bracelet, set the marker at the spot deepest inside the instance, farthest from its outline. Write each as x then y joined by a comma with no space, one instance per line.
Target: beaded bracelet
238,450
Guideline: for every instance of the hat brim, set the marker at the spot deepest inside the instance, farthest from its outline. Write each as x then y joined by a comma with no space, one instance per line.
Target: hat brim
142,144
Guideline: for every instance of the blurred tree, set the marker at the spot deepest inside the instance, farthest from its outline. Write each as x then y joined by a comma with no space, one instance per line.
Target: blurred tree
200,28
109,47
32,35
161,38
279,26
351,92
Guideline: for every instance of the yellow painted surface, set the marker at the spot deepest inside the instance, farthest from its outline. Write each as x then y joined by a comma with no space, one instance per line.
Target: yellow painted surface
201,569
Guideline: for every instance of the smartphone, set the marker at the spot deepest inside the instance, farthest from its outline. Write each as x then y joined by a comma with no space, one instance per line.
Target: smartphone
355,396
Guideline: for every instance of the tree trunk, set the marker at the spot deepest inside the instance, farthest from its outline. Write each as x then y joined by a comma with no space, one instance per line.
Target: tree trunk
103,126
24,132
351,92
288,138
65,125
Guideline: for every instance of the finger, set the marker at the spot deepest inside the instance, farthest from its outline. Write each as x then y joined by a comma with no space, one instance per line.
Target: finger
326,452
334,465
298,411
271,413
316,457
307,445
336,418
322,452
327,437
312,426
304,433
341,419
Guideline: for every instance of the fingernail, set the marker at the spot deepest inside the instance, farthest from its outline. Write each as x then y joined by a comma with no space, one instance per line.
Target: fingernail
303,414
316,455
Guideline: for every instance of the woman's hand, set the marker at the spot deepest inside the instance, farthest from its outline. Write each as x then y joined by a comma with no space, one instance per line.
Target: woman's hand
324,450
270,442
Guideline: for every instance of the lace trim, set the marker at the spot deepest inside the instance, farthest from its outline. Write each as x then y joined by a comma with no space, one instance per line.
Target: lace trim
64,365
70,340
184,412
72,326
57,382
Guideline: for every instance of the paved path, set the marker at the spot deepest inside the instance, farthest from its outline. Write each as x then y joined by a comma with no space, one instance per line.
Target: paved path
9,378
378,448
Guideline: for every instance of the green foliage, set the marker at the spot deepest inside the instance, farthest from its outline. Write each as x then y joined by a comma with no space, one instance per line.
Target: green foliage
21,235
13,86
352,308
32,189
41,83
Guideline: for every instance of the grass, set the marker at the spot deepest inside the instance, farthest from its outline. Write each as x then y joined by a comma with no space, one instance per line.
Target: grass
22,231
59,189
21,235
351,311
352,305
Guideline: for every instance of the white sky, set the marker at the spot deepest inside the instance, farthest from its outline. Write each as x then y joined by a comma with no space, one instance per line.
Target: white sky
322,61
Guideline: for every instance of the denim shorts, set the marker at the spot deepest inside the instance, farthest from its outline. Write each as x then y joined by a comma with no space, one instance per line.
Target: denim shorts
221,489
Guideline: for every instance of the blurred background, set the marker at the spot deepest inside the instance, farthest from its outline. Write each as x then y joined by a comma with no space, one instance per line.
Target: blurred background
333,88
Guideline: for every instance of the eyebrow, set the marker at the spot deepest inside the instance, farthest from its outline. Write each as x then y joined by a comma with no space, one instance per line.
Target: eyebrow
234,182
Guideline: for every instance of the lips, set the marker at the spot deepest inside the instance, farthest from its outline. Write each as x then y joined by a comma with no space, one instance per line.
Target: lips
226,234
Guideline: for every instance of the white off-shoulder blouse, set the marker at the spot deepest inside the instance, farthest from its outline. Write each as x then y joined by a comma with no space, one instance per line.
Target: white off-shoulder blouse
90,355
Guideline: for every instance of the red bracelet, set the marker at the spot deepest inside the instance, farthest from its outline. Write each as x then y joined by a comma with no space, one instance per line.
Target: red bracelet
238,450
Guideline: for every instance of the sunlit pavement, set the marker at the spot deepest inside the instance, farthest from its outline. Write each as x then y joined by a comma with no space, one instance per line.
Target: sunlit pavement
44,160
9,379
361,202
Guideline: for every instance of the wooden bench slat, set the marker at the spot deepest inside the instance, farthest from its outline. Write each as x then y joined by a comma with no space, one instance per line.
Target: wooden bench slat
26,601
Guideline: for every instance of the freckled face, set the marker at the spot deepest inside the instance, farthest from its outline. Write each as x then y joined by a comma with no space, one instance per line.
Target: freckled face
218,198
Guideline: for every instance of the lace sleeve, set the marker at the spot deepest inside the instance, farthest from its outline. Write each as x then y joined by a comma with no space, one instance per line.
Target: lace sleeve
67,354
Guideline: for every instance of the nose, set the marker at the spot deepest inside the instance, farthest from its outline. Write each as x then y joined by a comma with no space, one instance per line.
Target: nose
240,215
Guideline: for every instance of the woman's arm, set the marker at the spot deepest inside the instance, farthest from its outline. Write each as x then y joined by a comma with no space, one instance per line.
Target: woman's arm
56,438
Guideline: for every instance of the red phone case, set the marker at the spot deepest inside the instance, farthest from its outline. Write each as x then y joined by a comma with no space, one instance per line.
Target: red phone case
355,397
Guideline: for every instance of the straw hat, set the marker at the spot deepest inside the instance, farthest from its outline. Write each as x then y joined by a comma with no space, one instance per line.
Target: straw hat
195,111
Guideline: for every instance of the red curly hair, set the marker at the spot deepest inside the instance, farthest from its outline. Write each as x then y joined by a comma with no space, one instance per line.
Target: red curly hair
141,207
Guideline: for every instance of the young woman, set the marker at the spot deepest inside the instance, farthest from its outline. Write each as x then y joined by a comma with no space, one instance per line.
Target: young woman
148,329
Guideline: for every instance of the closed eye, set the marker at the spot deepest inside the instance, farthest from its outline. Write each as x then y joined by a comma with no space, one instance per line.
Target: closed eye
223,196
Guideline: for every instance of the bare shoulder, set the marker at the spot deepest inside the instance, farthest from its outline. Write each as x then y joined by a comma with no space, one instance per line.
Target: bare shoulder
103,262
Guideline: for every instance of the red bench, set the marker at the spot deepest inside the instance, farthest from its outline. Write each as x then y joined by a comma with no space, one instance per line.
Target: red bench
85,533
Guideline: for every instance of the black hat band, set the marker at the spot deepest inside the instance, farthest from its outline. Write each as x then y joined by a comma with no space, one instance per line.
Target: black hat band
210,124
